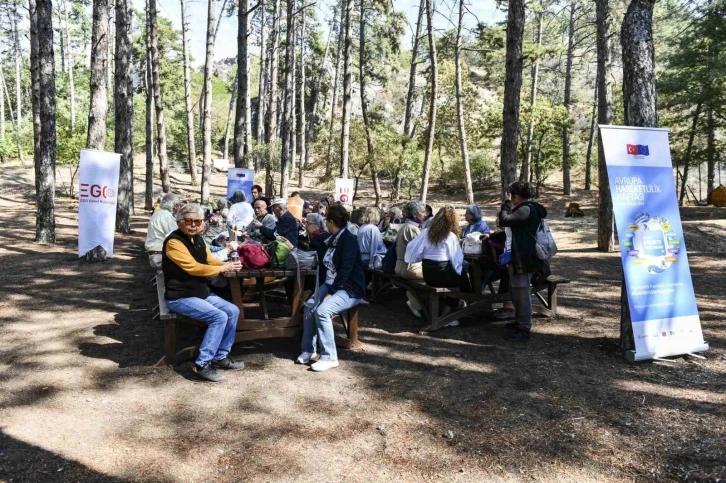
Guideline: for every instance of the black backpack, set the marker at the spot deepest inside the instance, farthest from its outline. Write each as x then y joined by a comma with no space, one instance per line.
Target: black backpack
389,260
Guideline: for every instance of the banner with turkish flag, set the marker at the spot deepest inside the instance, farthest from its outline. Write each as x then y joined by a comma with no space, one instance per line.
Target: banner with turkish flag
97,187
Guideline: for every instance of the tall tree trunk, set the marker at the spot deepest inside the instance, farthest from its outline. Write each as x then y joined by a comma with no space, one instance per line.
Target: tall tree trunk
411,93
45,161
207,113
293,112
566,187
158,101
62,41
16,128
262,89
512,88
124,116
347,88
18,61
230,112
2,109
710,154
334,100
431,130
605,218
98,105
149,191
362,63
590,142
639,100
301,124
110,45
315,95
689,150
34,84
191,140
71,67
288,100
241,123
527,160
271,118
460,110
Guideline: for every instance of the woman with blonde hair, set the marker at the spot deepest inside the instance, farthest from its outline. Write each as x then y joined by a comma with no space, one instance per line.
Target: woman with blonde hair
370,240
441,257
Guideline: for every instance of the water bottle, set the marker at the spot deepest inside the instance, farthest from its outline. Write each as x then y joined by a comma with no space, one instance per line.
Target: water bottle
234,256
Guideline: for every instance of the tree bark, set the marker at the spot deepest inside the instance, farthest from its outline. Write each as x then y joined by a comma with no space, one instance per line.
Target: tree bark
289,98
460,110
35,82
18,61
590,142
334,100
241,123
262,89
639,100
347,89
689,150
45,160
71,67
431,130
526,164
230,112
16,128
271,118
301,124
124,116
191,139
149,191
98,104
2,109
605,218
512,88
310,127
158,101
566,187
411,93
207,113
362,62
710,155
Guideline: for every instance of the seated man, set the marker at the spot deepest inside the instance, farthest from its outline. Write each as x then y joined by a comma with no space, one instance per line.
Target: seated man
343,288
261,216
188,264
161,223
285,227
415,213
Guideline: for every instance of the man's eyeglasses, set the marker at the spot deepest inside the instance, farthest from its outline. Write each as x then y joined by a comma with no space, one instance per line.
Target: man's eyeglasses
192,221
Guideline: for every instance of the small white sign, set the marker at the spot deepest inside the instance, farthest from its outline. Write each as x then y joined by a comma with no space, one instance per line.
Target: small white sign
97,199
344,190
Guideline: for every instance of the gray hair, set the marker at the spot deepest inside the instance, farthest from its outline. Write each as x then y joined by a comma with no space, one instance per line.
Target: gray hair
223,202
413,207
168,201
189,208
395,213
316,218
239,196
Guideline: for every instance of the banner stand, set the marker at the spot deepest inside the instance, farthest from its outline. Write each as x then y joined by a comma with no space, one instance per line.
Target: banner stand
633,356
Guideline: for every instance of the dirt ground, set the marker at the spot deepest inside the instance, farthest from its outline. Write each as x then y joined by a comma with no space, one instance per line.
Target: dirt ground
80,400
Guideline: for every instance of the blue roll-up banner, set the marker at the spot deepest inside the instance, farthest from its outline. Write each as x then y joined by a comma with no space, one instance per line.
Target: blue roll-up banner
240,179
655,263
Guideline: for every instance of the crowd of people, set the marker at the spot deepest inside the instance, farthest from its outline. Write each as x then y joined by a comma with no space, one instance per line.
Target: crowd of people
192,244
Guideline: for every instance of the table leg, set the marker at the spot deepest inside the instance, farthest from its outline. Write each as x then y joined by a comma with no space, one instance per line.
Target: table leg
235,285
475,269
434,311
296,301
263,301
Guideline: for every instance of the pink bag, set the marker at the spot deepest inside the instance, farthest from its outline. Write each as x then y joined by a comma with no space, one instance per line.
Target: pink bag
253,255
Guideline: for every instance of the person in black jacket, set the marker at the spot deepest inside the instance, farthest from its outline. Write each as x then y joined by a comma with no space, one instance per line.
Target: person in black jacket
522,216
344,288
285,227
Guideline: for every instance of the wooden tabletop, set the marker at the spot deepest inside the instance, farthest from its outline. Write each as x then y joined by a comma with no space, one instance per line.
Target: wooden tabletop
267,272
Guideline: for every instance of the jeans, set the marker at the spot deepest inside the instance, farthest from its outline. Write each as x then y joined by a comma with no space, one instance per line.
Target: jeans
318,321
221,318
521,298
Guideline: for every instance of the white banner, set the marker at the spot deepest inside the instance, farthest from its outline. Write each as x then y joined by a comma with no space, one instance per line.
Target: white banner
344,190
662,303
97,186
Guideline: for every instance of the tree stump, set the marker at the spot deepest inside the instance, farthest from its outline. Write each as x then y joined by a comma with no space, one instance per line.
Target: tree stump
98,254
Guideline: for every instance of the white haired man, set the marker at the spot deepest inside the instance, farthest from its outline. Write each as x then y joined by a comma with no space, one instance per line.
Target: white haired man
161,224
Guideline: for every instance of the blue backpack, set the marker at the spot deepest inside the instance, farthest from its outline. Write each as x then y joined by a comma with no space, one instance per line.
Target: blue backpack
389,260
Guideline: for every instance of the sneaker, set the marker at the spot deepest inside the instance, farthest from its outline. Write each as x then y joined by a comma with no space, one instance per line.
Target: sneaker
519,336
321,366
453,323
462,304
228,364
208,373
416,313
306,358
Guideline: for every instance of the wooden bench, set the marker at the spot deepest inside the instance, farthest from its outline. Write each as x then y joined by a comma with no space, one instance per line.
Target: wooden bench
349,321
429,297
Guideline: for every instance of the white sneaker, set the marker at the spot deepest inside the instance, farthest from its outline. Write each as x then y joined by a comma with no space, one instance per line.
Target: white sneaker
416,313
321,366
462,304
306,357
453,323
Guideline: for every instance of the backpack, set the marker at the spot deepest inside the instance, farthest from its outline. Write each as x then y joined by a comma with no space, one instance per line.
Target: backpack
301,260
253,255
278,254
389,260
544,243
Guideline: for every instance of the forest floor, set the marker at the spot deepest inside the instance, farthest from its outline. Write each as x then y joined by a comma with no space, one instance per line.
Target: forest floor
80,400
